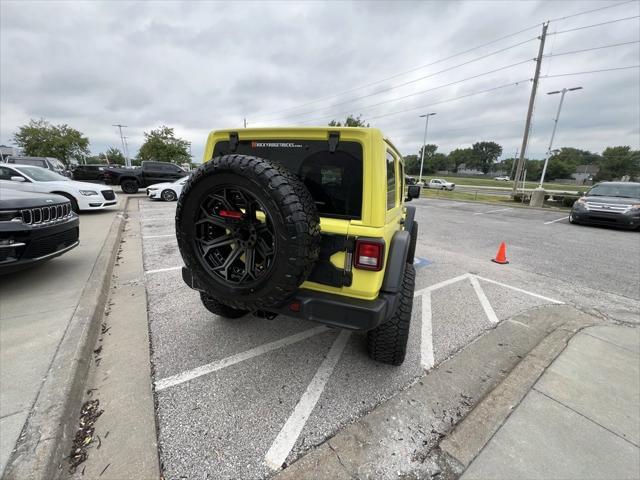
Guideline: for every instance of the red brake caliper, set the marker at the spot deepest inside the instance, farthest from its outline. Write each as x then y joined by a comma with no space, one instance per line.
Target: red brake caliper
230,214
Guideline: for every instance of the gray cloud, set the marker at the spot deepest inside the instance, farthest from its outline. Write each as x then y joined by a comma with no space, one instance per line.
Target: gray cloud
203,65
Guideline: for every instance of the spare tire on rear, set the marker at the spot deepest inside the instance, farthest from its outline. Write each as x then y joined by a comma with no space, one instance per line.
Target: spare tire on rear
248,230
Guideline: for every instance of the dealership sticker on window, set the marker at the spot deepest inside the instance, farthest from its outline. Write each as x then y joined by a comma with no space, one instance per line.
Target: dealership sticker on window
275,145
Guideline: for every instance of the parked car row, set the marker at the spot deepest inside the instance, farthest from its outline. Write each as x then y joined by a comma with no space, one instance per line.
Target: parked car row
39,213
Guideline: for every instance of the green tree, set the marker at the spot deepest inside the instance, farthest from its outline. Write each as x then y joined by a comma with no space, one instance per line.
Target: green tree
485,155
350,121
619,161
162,145
412,164
39,138
459,156
112,155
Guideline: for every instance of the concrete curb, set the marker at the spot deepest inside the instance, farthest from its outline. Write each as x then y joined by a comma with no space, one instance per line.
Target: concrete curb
52,422
470,436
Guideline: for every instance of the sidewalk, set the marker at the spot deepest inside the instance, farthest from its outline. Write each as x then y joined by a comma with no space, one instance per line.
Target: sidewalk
37,305
581,419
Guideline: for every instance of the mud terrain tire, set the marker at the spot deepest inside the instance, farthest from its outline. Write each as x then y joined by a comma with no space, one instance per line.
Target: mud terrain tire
387,343
248,230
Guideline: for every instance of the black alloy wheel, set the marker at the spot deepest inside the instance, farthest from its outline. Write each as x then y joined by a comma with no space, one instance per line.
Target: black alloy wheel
234,236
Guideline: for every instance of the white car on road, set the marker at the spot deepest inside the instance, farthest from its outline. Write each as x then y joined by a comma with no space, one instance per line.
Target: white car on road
168,191
502,178
83,196
440,184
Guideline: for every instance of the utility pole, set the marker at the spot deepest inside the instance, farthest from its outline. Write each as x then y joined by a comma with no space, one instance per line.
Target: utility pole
555,126
245,122
532,99
124,148
424,140
513,165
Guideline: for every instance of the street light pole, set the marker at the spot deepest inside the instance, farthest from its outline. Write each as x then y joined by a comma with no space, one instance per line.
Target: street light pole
555,126
424,140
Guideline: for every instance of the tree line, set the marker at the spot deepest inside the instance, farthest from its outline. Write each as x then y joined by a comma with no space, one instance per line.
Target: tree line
40,138
613,162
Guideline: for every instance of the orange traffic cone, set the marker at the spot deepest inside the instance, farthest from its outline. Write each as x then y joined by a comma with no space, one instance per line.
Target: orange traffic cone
501,256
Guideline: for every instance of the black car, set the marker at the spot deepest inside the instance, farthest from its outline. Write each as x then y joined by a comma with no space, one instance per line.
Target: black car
34,227
89,172
131,179
609,203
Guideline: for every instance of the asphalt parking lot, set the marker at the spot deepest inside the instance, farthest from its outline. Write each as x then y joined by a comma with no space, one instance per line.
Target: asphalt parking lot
238,398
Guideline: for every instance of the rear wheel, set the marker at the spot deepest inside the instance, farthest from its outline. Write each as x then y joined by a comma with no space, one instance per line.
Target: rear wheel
220,309
129,186
168,195
387,343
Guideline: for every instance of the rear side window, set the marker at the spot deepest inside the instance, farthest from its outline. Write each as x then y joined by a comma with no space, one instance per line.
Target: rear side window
391,181
333,179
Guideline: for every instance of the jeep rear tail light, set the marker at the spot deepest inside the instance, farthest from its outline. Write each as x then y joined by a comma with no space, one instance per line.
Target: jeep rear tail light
369,254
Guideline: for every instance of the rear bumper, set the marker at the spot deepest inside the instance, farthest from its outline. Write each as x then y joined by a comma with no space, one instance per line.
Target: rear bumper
338,311
333,310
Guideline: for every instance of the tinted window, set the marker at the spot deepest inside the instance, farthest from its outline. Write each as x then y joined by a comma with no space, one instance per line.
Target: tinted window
333,179
391,181
7,173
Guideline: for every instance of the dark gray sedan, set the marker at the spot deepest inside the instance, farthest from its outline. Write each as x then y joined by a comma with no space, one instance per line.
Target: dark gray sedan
609,203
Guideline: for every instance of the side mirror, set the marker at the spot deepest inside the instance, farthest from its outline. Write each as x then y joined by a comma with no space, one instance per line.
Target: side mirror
413,191
17,179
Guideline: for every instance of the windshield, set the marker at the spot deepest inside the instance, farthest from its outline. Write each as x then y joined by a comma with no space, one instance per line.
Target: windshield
628,190
41,174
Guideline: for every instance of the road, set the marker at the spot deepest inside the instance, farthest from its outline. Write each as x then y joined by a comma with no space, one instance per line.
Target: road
240,398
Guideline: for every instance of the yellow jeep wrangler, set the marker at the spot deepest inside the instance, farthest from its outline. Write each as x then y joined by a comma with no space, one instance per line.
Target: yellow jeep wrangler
304,222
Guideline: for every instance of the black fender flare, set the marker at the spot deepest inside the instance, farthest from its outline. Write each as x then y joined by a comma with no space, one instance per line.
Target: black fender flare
396,262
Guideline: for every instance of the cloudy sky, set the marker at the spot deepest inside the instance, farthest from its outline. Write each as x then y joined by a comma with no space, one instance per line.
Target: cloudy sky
201,65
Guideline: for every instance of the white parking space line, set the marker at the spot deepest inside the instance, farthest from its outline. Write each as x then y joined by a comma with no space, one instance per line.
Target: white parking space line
159,270
492,211
159,236
289,434
542,297
237,358
484,301
444,283
556,220
426,347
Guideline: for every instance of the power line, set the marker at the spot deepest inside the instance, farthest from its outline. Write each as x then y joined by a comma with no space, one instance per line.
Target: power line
591,11
591,71
277,112
402,73
473,77
594,25
590,49
512,84
414,81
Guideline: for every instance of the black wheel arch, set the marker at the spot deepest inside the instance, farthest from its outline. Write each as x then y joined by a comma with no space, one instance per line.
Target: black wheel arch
396,262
